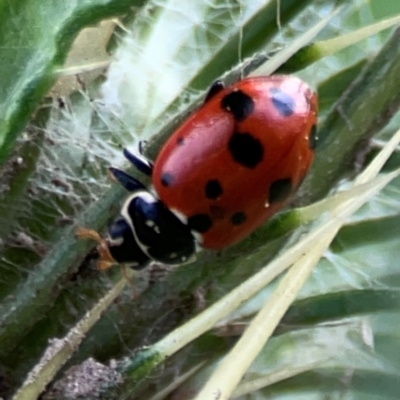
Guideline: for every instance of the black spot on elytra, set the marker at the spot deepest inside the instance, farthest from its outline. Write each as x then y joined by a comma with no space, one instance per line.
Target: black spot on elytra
200,222
238,218
215,88
246,149
313,137
167,179
213,189
239,104
180,141
280,190
283,103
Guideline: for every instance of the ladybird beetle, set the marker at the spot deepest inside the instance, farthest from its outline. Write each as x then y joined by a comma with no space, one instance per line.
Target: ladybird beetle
227,169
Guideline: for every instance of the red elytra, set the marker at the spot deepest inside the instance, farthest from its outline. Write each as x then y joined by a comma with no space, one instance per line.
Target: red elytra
235,161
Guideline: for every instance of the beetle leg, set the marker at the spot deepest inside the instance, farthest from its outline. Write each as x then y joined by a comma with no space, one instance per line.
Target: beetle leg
127,181
106,261
142,163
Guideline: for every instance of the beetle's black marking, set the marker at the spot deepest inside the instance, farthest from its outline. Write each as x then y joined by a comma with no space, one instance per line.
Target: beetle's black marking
283,102
239,104
213,189
180,141
200,222
313,138
280,190
167,179
238,218
127,251
215,88
118,228
166,236
246,149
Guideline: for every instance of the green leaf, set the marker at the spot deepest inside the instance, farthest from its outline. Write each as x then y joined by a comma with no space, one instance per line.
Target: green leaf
35,37
314,52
